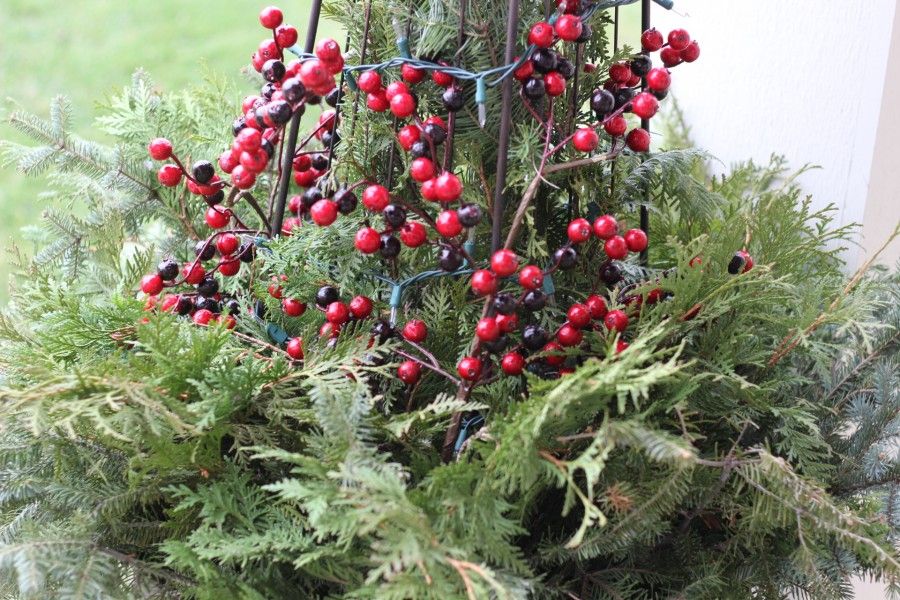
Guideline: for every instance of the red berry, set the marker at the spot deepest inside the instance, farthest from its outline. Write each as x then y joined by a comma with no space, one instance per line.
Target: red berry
616,320
596,305
447,224
193,274
568,27
294,348
621,346
292,307
415,331
512,363
579,231
691,53
377,101
169,175
295,204
409,372
638,139
160,149
504,262
168,304
429,190
202,316
652,40
369,81
742,261
679,39
328,50
421,169
585,139
270,17
670,57
413,234
248,140
275,290
316,76
487,329
620,72
659,79
286,36
152,284
367,240
644,105
403,105
324,212
329,330
217,216
448,187
569,335
508,323
554,84
605,226
228,160
337,313
306,178
616,126
636,240
395,88
484,282
555,356
531,277
469,368
436,120
375,197
229,266
524,71
360,307
408,135
541,35
242,177
616,248
410,74
441,78
579,315
228,244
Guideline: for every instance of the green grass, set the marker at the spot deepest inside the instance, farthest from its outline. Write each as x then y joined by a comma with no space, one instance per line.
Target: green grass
88,48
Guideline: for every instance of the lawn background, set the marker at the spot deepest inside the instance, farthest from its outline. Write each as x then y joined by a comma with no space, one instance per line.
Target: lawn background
86,49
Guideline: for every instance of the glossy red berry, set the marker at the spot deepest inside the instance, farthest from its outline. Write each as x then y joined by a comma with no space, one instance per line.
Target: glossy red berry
554,84
512,363
403,105
377,101
579,315
616,126
670,57
328,50
169,175
293,307
375,197
541,35
203,316
554,354
411,74
659,79
447,224
329,330
270,17
324,212
421,169
605,226
244,178
596,305
621,346
484,282
415,331
487,329
409,372
448,187
691,53
361,307
524,71
152,284
638,140
294,348
636,240
469,368
644,105
160,149
369,81
616,248
442,79
568,27
616,320
395,88
367,240
508,323
741,262
429,190
217,216
407,136
579,231
652,40
193,274
531,277
248,140
337,313
620,72
585,139
227,244
229,266
286,36
569,335
679,39
504,262
413,234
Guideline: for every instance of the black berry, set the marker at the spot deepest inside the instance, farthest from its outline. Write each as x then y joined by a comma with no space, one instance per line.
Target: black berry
565,257
208,286
326,295
469,215
449,259
390,246
168,269
204,251
534,337
535,300
504,303
394,215
203,171
346,201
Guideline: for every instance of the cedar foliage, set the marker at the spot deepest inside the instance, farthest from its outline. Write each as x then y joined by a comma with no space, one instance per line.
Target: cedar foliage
161,460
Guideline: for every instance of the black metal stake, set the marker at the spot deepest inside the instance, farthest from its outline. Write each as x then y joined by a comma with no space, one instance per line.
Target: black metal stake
645,124
512,22
287,159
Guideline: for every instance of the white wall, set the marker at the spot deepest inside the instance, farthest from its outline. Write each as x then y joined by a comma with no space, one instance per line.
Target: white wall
803,78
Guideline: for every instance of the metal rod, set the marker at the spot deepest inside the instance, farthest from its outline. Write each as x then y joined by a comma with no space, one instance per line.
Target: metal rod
645,124
512,21
287,159
451,118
